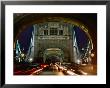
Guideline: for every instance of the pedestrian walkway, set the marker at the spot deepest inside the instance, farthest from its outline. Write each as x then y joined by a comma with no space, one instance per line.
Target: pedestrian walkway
90,69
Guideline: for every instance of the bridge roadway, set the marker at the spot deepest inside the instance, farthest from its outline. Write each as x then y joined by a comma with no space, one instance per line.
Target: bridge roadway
56,69
53,70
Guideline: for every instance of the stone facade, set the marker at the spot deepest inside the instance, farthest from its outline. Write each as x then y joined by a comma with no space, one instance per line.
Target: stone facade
53,35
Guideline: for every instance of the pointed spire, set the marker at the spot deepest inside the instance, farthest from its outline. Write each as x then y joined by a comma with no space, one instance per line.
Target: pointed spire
18,50
75,44
76,49
31,48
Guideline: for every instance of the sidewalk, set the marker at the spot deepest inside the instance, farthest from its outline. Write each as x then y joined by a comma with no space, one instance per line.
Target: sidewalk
90,69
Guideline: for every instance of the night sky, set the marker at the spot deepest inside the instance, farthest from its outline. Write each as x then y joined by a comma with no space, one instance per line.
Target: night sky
81,37
25,38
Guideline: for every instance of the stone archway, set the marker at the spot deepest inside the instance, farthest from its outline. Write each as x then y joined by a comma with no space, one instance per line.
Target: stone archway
56,41
52,55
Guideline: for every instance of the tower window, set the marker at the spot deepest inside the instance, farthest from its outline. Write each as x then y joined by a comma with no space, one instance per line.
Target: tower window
60,32
45,32
53,31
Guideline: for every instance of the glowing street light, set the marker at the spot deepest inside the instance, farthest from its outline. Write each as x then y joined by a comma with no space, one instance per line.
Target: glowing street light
78,61
92,55
31,59
22,55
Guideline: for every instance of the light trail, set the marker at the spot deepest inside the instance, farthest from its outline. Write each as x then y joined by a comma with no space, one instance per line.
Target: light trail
71,73
84,73
37,71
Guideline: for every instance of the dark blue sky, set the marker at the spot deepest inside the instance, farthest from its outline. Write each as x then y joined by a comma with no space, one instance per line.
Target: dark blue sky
25,37
81,38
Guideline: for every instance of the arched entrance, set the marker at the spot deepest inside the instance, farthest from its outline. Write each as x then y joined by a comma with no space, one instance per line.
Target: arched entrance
52,55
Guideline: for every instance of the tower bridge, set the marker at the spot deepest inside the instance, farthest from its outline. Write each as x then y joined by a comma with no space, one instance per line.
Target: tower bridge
57,37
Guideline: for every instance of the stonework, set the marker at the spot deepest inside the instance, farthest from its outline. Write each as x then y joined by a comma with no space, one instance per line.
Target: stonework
54,38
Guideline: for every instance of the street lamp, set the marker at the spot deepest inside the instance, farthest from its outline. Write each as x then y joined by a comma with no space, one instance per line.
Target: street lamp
78,61
30,60
92,54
